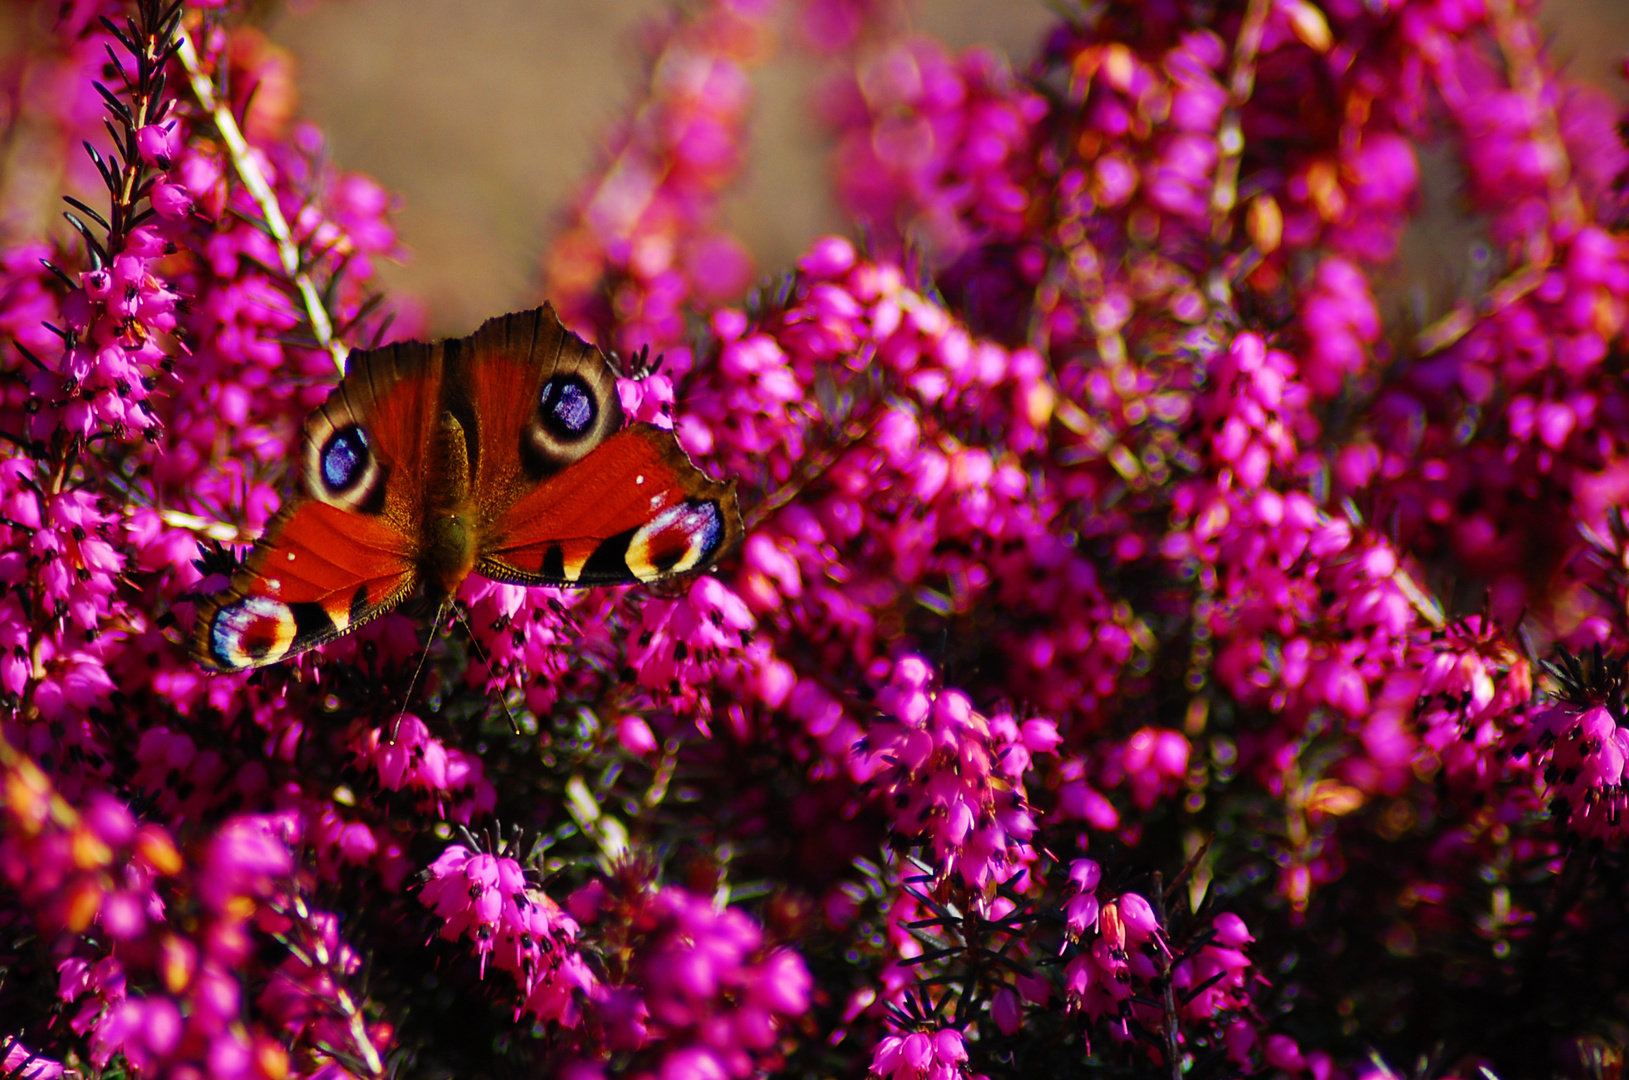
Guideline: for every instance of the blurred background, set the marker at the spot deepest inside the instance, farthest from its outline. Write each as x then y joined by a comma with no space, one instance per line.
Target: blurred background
485,116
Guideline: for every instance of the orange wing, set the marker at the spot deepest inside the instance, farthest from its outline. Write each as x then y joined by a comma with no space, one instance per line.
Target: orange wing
634,509
533,398
317,573
346,545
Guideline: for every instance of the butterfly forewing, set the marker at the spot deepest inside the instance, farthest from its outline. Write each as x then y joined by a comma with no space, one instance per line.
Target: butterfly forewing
535,399
375,428
345,547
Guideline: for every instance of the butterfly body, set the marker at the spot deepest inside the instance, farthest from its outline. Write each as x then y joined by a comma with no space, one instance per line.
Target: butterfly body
501,454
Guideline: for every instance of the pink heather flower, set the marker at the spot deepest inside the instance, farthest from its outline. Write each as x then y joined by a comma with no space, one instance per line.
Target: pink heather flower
453,780
486,899
470,892
1007,1010
636,736
1154,762
171,201
1221,968
693,1063
1085,875
1231,931
1240,1040
1079,801
938,1055
158,144
1081,913
25,1064
1081,910
409,755
933,147
711,985
1138,916
829,257
245,857
1341,323
684,644
1586,765
1283,1053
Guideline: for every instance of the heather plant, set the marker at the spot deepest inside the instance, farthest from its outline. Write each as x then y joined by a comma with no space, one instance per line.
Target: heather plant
1162,643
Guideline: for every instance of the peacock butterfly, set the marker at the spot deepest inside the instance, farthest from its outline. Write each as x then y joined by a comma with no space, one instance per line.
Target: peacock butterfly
502,453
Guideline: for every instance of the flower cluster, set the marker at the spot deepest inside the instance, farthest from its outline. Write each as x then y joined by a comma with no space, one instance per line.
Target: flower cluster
953,778
712,991
927,145
936,1056
1122,957
1585,768
406,755
487,899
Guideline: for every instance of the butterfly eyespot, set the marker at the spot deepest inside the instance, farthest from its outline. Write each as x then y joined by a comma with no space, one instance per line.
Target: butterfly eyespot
678,539
344,458
576,410
566,407
250,632
342,470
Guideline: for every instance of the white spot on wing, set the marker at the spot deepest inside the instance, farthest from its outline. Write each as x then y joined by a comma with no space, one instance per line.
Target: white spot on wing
291,556
639,479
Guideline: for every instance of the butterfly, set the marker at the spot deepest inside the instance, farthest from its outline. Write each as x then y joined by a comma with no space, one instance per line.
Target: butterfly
501,454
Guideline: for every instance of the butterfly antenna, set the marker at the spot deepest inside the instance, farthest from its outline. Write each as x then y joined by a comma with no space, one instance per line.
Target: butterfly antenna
423,656
514,725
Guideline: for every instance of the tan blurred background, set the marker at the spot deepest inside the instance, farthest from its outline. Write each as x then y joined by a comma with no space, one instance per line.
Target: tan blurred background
485,115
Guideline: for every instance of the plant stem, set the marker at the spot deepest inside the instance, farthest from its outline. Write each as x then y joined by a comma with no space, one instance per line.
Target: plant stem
1173,1057
248,170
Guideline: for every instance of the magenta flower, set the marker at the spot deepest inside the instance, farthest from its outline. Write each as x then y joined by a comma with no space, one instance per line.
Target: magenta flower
711,997
25,1064
487,900
937,1055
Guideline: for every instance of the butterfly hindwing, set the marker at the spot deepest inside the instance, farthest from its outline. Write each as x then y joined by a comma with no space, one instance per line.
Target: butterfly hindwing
635,509
317,573
345,546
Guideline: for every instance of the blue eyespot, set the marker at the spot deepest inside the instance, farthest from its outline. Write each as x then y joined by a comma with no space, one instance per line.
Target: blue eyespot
567,407
344,457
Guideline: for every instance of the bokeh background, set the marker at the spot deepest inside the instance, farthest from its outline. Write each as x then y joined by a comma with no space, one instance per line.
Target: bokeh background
487,114
484,116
